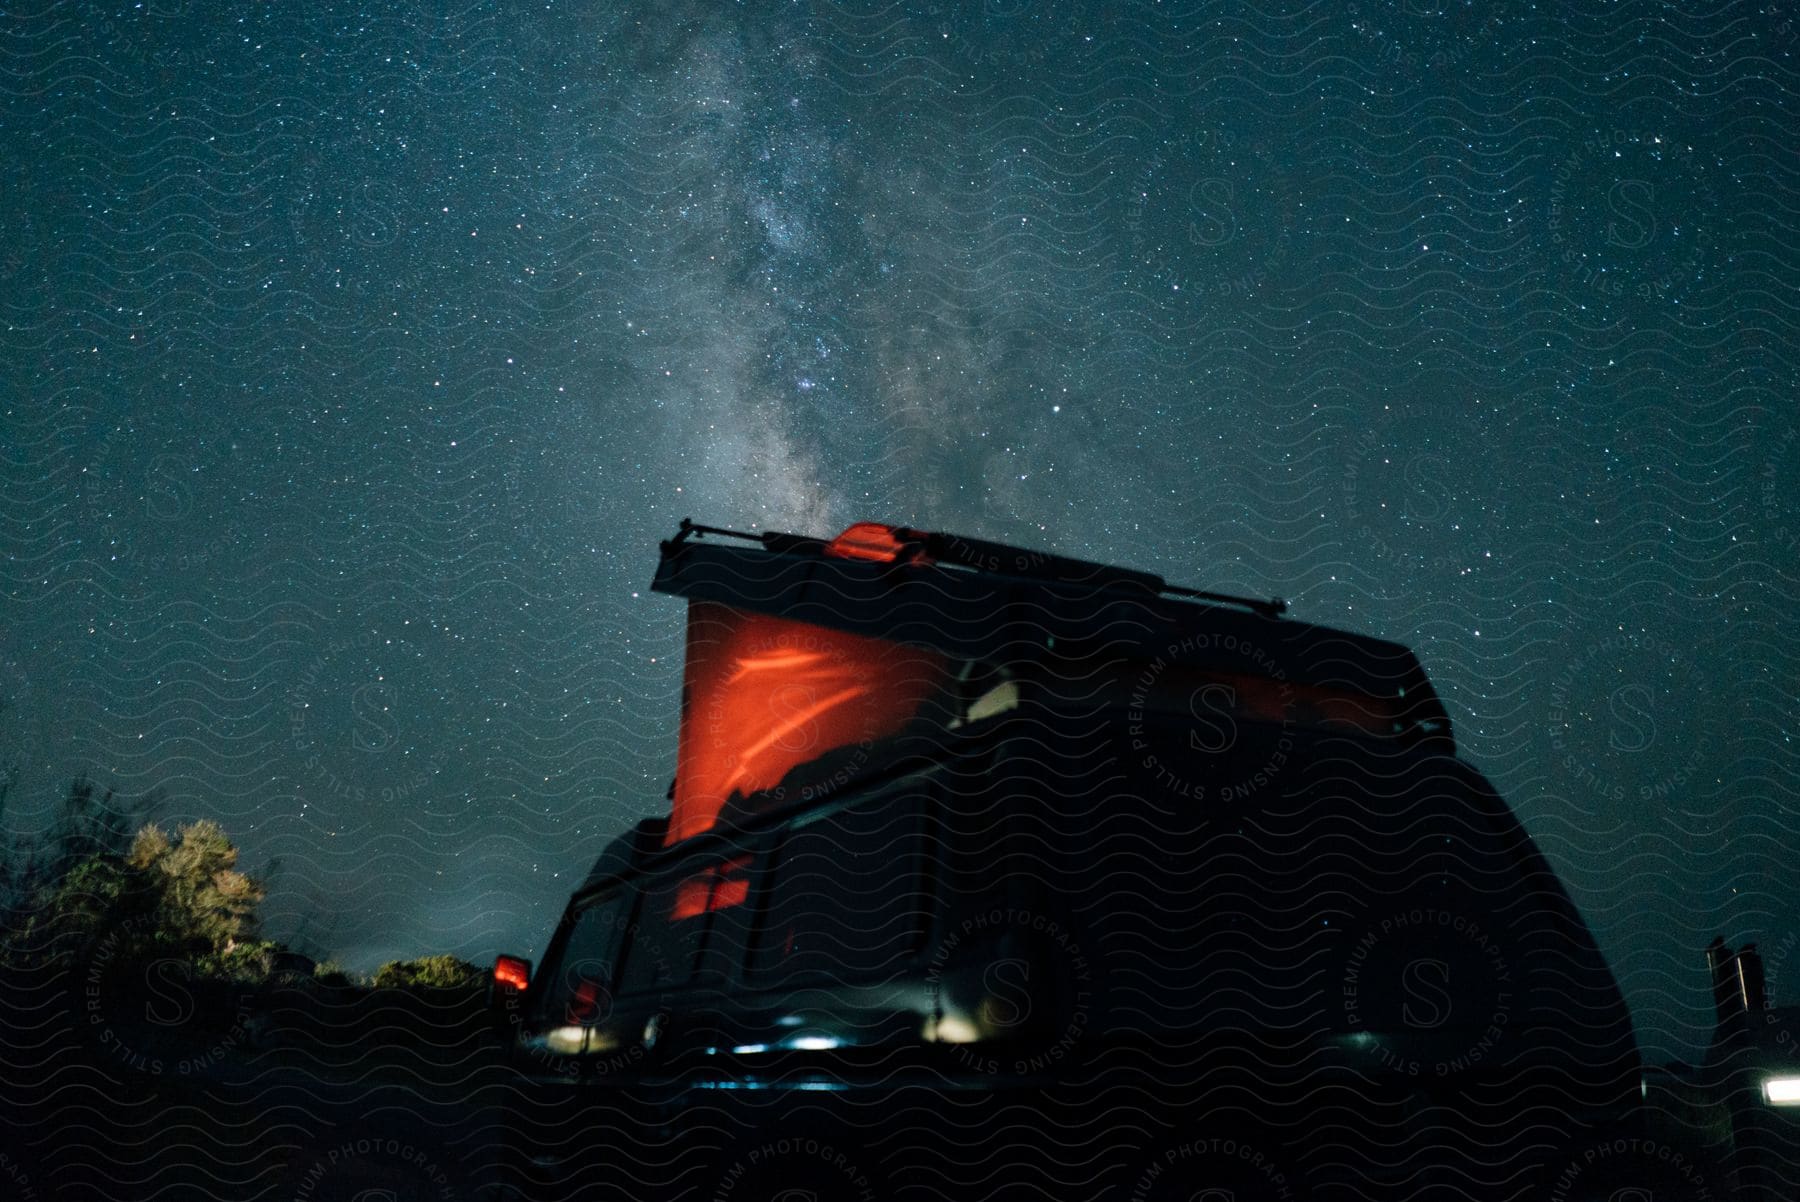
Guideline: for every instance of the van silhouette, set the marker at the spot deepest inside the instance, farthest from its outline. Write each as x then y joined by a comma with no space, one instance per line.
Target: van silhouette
989,873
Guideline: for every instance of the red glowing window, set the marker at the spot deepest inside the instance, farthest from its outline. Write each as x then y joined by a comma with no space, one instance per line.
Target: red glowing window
584,1006
764,696
730,892
716,888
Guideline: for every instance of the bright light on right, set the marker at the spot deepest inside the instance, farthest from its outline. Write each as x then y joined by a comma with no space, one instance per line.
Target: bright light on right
1782,1091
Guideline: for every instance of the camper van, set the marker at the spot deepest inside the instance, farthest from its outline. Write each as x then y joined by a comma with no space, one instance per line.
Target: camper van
990,873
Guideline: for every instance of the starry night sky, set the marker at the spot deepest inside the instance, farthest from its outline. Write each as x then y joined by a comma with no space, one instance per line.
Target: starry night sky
356,356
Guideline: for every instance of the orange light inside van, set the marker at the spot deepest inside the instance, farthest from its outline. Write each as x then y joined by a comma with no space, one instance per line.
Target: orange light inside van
764,695
717,888
872,541
584,1006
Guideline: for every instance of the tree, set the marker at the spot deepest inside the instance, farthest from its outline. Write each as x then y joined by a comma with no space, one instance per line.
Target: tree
330,972
429,972
205,903
88,879
67,880
87,824
94,824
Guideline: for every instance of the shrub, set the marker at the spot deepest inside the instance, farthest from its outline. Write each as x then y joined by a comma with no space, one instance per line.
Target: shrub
429,972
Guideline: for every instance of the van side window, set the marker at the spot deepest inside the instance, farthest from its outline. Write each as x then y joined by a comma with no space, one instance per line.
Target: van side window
582,988
665,938
847,898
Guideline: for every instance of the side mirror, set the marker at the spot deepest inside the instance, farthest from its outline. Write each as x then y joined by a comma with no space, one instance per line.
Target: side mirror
510,978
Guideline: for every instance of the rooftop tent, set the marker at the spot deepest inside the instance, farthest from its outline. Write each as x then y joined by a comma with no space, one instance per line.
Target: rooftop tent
801,651
765,695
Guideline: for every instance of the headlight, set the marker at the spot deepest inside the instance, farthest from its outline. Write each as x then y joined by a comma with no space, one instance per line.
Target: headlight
1781,1091
567,1041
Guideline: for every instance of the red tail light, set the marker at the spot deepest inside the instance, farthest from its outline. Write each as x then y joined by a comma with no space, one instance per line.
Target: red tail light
510,972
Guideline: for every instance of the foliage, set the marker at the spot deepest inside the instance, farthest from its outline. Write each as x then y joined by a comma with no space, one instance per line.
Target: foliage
92,824
428,972
251,961
204,905
330,972
102,882
87,825
88,883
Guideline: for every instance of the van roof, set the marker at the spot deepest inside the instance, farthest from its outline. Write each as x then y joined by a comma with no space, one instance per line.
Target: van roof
972,599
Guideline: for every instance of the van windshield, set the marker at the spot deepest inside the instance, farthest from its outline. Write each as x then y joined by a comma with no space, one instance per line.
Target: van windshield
578,988
764,695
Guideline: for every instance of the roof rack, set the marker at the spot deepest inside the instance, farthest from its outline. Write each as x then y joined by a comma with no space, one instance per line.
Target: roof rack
901,544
